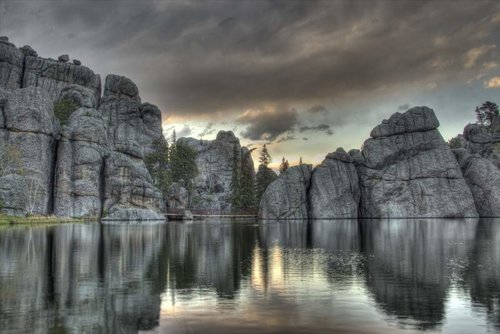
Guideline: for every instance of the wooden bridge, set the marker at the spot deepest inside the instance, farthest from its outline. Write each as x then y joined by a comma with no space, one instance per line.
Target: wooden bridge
200,214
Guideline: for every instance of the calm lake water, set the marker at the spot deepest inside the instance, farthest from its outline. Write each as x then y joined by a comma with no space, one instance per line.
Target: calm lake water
342,276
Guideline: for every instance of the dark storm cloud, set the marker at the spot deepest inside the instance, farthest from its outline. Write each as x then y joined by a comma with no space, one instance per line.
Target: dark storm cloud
286,138
268,124
318,128
215,57
317,109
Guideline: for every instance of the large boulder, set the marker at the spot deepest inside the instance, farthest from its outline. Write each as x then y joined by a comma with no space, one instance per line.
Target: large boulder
214,159
334,190
483,178
27,149
286,197
407,170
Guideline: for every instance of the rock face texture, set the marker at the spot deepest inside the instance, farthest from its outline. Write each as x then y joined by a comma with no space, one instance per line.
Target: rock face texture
407,170
484,141
483,178
286,197
214,161
177,196
404,170
27,150
92,166
334,190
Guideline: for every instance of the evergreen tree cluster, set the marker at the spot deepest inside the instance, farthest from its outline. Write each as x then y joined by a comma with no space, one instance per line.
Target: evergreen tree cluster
284,165
265,175
171,163
242,181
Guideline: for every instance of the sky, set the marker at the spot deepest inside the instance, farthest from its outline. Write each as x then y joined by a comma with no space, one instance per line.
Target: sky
304,77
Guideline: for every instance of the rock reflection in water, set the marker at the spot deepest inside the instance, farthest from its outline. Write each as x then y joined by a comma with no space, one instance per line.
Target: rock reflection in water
81,278
374,276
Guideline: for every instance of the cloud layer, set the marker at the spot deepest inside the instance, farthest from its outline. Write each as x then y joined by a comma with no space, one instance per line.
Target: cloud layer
273,68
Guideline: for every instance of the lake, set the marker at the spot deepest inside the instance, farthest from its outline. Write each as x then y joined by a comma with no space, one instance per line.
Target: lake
345,276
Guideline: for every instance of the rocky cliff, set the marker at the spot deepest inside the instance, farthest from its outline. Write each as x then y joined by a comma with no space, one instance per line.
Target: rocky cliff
405,169
479,158
214,160
90,165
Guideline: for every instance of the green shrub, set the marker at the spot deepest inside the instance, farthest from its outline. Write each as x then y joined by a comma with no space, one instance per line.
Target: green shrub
63,109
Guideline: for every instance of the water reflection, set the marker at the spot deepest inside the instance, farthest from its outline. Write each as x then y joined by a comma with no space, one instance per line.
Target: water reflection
298,277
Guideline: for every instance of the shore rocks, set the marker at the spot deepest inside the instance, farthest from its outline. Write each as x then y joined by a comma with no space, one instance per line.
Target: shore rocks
286,197
407,170
334,190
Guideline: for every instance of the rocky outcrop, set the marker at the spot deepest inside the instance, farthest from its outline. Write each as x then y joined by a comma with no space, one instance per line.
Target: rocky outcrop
53,76
11,65
334,191
93,165
484,141
286,197
483,178
214,160
407,170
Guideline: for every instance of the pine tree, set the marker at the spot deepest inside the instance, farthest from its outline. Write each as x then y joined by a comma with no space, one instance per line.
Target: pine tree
265,157
265,176
182,163
174,138
487,113
284,165
235,181
157,163
247,181
300,161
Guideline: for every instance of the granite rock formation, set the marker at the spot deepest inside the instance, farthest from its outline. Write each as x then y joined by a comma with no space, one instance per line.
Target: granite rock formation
483,178
407,170
27,149
177,196
286,197
92,166
484,141
214,160
334,190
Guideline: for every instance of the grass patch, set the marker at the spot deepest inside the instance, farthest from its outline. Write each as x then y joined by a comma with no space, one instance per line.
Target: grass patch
34,220
63,109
